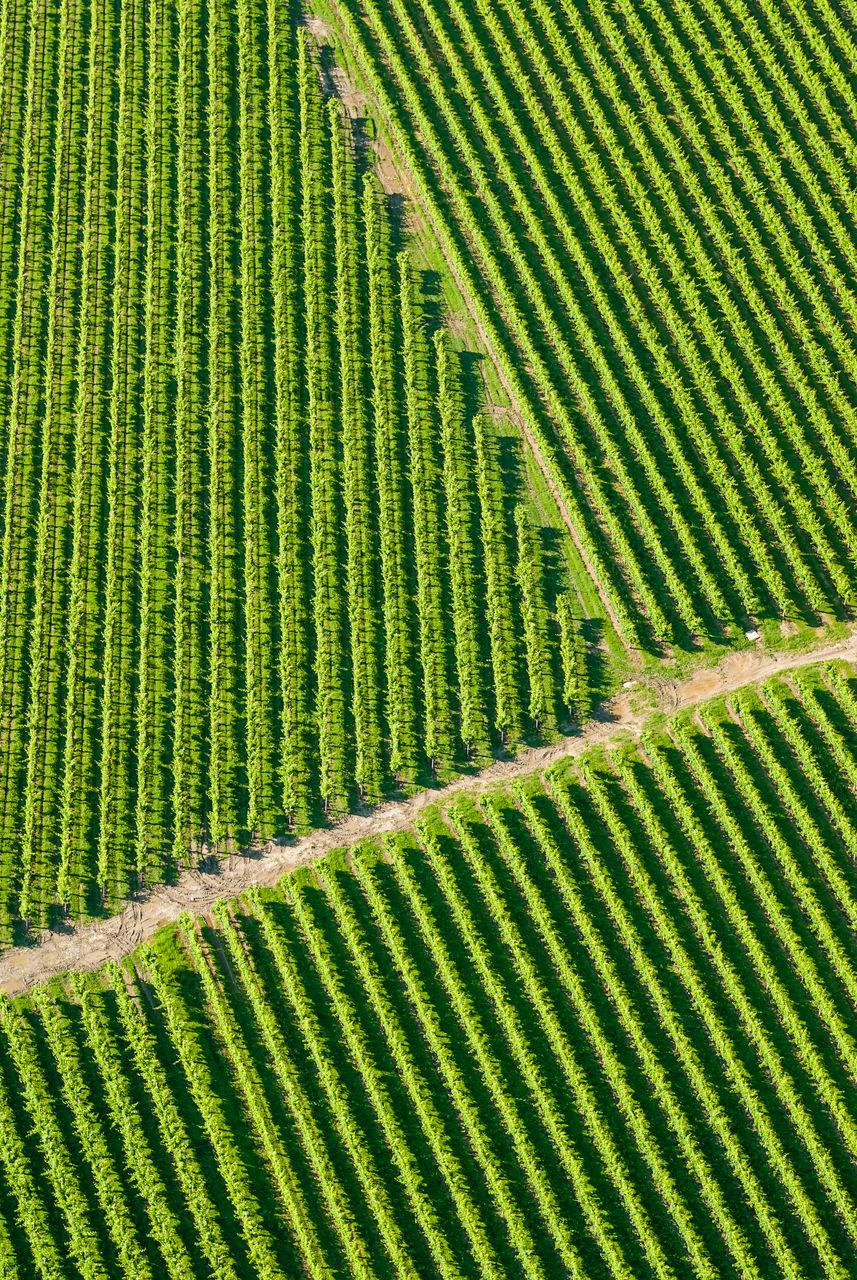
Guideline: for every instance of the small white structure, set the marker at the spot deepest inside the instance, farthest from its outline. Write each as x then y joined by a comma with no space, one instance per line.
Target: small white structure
629,684
753,635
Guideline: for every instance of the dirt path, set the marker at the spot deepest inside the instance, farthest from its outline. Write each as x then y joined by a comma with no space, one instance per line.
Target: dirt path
88,947
396,178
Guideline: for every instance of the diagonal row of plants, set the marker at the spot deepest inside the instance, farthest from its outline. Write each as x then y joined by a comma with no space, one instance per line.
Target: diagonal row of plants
599,1024
653,206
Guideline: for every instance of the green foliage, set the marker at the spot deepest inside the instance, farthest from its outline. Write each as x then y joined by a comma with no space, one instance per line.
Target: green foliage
667,269
538,632
595,1021
267,550
575,672
238,500
494,538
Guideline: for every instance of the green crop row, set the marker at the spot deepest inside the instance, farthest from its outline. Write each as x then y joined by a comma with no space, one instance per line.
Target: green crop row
599,1021
679,296
239,512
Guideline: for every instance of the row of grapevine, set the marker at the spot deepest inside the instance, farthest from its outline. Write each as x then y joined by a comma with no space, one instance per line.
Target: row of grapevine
422,437
226,769
464,553
357,489
325,468
239,505
78,830
46,674
537,623
295,605
157,460
494,545
22,453
599,1022
13,33
399,664
688,323
258,443
117,784
187,752
573,657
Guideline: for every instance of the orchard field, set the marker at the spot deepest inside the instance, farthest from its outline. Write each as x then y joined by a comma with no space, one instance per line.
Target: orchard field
314,489
600,1023
653,207
255,512
435,421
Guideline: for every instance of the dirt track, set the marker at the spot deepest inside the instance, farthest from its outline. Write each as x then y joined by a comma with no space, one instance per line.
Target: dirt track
88,947
396,178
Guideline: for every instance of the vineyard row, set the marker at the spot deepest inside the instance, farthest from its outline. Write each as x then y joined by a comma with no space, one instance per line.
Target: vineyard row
600,1023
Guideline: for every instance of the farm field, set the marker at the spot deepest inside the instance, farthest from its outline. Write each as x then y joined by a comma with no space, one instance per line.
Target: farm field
367,413
653,209
256,508
599,1023
428,644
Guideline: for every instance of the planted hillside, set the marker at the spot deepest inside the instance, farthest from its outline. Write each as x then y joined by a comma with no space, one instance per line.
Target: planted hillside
246,473
598,1023
652,210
